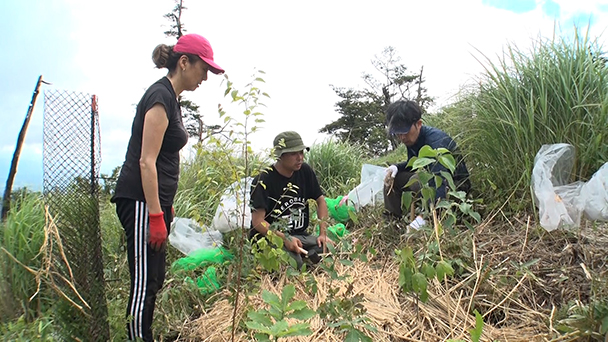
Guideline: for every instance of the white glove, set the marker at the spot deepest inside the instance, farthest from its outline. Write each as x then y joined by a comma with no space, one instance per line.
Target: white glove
417,223
391,170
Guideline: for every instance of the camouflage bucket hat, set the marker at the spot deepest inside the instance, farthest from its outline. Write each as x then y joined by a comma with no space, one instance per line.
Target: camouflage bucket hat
289,141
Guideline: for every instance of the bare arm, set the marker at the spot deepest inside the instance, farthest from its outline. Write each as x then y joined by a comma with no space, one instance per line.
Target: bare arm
155,125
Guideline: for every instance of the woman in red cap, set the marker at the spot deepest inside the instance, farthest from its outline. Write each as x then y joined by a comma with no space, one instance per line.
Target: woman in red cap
148,178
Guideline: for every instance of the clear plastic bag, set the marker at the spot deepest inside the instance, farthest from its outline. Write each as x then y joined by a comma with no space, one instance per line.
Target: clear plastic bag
560,203
187,236
229,213
370,190
595,193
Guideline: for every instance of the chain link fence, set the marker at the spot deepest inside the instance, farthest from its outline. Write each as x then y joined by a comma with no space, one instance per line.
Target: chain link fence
71,158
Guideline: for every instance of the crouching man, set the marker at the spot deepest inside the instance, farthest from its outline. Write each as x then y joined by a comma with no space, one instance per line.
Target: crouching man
281,192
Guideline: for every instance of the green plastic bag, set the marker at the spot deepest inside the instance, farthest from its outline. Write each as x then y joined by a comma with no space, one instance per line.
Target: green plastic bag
207,283
339,212
202,257
335,232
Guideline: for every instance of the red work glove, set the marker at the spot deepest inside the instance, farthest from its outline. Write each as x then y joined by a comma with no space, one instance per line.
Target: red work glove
158,230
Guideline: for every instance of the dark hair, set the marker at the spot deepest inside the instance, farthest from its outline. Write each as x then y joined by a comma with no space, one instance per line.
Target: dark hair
163,56
403,112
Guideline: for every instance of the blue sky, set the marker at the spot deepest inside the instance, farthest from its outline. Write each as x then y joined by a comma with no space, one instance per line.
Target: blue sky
104,48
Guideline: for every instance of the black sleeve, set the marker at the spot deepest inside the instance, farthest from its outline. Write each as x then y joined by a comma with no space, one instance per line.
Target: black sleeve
164,97
258,194
313,184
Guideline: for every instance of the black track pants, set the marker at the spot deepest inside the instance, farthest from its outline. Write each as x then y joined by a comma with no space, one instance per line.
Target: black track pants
146,266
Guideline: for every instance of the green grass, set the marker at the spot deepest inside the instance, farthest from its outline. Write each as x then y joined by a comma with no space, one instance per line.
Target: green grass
337,165
554,93
22,235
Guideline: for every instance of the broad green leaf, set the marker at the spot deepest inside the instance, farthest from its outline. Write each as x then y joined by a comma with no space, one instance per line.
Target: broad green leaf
448,178
346,262
262,337
355,335
297,329
287,294
260,318
271,298
438,181
422,162
475,215
258,327
442,150
419,282
424,295
296,305
279,328
447,160
424,177
465,208
428,270
428,194
406,199
275,311
411,161
443,204
302,314
427,152
443,268
449,221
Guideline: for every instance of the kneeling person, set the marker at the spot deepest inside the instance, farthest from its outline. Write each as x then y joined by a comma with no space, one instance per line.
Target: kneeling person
281,192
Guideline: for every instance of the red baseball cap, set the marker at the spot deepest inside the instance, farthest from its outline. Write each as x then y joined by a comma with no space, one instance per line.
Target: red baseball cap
198,45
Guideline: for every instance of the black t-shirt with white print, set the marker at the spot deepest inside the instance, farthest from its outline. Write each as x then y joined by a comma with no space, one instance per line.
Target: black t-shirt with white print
285,198
167,163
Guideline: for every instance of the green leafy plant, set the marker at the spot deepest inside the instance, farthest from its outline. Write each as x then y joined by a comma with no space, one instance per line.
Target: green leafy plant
590,320
271,324
456,202
414,274
346,313
269,253
415,271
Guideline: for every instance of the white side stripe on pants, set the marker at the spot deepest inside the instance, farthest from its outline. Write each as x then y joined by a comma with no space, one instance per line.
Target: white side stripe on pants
140,272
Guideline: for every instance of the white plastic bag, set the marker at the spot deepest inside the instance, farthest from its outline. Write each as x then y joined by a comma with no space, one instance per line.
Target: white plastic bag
187,236
559,202
595,195
229,213
370,190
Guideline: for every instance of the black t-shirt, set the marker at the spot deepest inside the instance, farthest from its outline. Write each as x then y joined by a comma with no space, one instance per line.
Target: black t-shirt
167,163
285,198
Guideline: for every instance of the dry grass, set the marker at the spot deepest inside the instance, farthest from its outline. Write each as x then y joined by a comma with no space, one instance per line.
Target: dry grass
517,294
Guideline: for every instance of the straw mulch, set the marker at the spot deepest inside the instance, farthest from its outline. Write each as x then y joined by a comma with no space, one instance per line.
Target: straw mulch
517,294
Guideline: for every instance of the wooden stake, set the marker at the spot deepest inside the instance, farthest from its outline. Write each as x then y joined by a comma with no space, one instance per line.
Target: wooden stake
6,201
